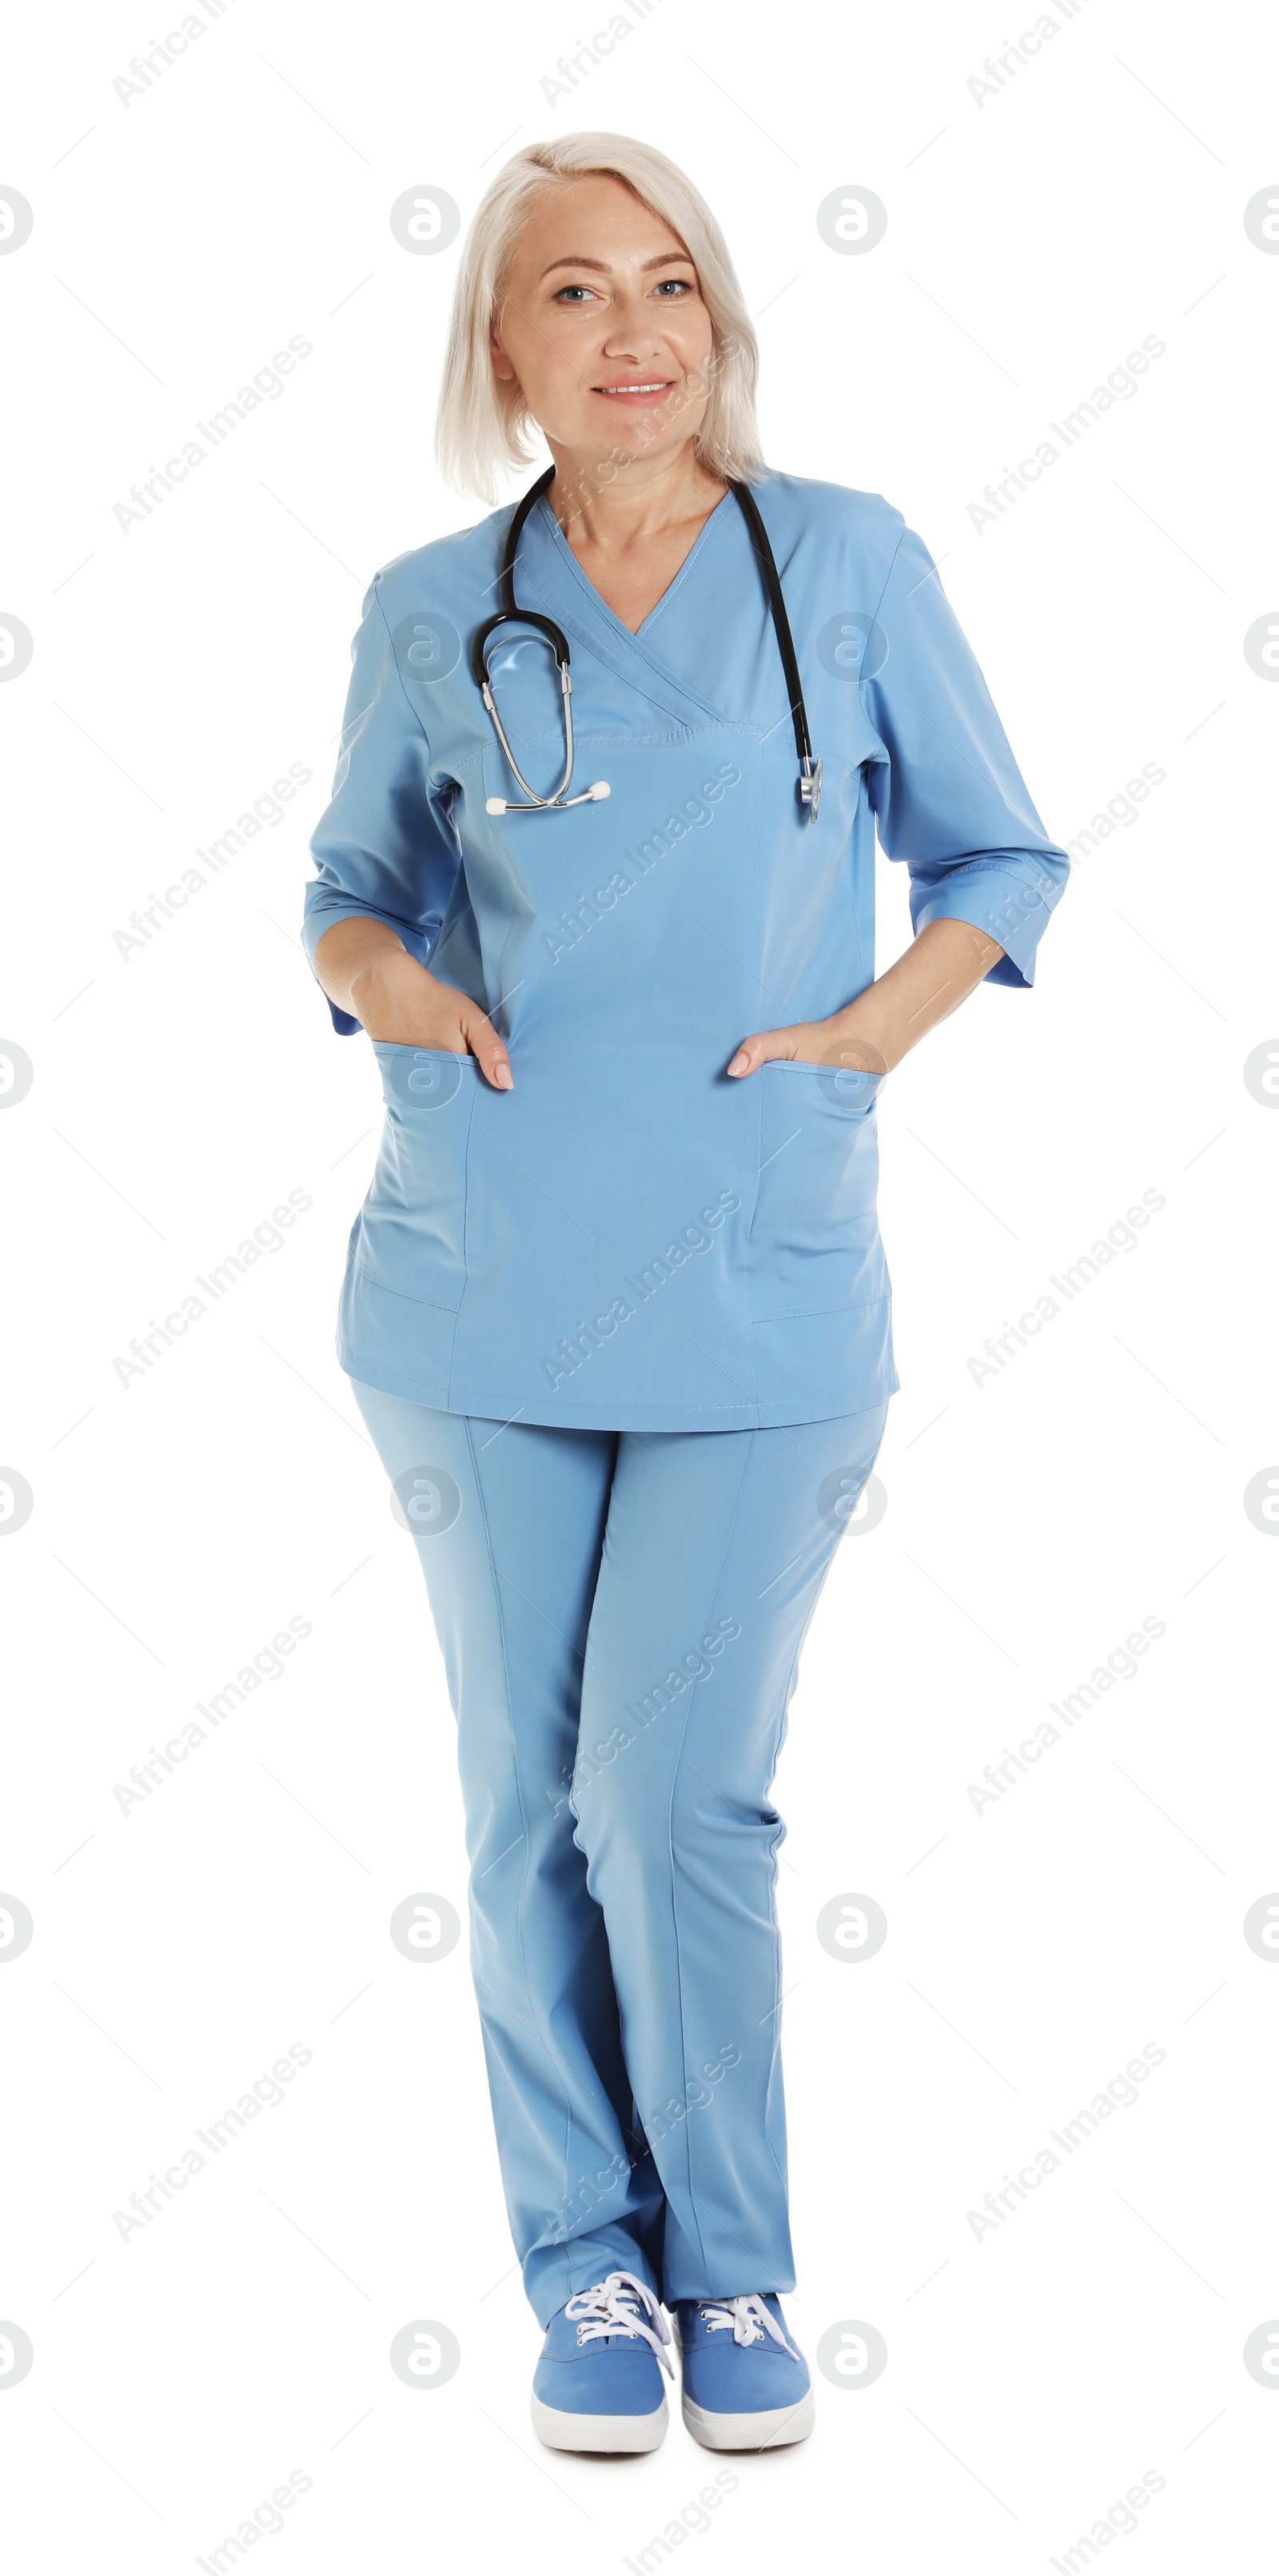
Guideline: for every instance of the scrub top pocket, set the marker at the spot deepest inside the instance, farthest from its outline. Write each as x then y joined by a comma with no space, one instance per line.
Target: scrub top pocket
410,1235
814,1238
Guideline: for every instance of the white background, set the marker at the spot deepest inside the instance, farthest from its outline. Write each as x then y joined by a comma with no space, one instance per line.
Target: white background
1033,1520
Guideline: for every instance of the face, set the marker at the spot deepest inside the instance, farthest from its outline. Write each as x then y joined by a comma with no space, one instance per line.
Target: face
603,325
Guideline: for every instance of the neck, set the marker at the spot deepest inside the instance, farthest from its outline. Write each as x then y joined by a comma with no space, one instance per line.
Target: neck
642,496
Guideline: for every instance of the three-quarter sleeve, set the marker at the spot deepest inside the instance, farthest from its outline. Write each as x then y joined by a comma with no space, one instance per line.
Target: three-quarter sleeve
948,796
382,847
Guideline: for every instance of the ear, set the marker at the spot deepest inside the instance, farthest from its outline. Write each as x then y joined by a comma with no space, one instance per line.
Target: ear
502,366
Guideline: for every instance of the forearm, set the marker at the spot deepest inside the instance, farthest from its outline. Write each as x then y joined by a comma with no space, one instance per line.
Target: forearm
347,955
934,975
367,970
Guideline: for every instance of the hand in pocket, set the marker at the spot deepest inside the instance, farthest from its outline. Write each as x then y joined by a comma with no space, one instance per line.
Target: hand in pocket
366,970
405,1005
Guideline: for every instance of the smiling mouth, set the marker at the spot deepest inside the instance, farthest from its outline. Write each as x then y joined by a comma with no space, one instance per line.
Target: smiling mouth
644,387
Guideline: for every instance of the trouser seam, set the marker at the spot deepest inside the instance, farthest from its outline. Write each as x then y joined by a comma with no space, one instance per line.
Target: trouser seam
776,2015
534,2023
750,1436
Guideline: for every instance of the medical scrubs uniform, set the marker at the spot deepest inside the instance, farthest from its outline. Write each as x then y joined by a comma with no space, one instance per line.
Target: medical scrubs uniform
621,1335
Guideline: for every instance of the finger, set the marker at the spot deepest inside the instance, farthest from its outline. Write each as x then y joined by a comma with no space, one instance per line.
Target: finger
487,1049
761,1049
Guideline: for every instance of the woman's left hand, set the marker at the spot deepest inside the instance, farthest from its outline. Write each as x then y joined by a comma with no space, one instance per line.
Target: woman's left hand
872,1034
810,1042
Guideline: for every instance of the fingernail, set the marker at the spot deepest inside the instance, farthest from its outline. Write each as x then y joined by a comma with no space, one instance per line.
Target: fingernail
502,1077
741,1062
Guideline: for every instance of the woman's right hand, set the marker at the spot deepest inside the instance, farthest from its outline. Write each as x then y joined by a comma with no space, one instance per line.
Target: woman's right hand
369,973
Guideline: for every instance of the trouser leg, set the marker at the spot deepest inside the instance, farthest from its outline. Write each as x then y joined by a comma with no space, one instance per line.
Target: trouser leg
715,1551
511,1575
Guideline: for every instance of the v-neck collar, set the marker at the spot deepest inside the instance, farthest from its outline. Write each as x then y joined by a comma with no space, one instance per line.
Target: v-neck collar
635,634
630,655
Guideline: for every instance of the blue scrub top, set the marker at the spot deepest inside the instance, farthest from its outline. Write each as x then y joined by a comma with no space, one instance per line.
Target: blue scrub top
628,1240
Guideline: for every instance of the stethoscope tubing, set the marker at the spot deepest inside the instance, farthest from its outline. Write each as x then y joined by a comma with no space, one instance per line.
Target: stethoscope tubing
510,613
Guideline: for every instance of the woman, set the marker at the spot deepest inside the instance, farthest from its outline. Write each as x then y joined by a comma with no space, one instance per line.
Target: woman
616,1307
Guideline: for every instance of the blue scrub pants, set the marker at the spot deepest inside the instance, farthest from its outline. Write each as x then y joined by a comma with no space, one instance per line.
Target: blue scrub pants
621,1616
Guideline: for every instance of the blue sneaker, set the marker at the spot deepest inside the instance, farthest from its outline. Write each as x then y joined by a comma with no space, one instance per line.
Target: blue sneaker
598,2385
746,2388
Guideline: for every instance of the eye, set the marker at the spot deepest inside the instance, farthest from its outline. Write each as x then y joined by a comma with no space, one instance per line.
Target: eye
672,289
572,292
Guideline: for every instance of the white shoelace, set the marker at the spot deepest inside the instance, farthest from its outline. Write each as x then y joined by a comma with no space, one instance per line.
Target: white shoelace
610,2309
749,2319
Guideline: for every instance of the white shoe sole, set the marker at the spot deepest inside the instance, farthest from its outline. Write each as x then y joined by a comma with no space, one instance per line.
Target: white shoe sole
563,2432
766,2431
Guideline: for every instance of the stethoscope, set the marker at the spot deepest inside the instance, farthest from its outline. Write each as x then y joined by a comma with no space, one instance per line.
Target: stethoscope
810,770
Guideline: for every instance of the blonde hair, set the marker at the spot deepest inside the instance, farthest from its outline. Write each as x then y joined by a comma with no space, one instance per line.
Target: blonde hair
482,424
